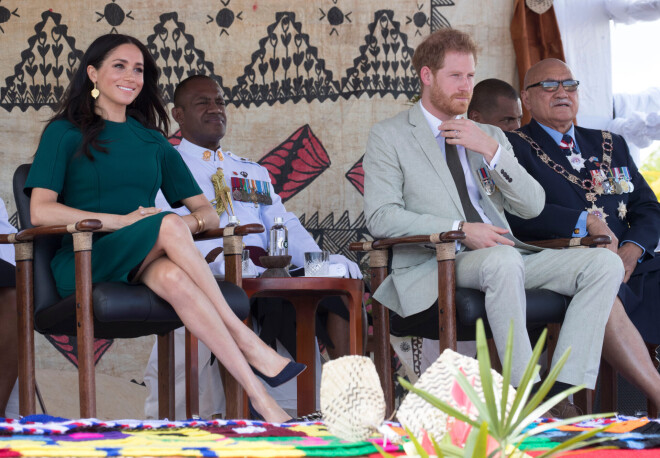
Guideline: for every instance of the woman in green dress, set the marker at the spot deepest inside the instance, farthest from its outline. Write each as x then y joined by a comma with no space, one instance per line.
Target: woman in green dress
105,156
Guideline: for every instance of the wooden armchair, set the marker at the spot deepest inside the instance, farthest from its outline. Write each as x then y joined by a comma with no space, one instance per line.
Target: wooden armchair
105,309
459,308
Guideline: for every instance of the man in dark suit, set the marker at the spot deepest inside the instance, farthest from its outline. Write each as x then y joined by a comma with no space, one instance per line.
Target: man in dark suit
593,187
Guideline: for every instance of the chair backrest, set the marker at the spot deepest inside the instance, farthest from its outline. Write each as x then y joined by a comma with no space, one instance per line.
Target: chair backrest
44,247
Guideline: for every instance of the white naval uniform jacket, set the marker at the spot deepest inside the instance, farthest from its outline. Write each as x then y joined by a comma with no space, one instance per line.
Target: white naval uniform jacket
300,241
6,251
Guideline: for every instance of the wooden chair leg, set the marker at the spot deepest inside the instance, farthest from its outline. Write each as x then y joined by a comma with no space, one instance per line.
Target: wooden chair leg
584,399
82,242
235,399
608,387
382,353
166,384
192,375
495,362
25,313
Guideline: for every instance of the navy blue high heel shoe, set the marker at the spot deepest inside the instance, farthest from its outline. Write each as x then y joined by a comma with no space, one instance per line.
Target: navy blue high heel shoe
290,371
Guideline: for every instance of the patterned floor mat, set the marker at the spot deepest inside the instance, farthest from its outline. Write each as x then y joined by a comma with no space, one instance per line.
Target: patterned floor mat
40,435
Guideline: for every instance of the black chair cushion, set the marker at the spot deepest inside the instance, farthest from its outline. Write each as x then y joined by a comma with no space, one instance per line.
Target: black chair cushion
124,311
543,307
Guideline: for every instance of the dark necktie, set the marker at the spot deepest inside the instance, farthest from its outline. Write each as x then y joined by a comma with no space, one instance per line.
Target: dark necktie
567,143
456,169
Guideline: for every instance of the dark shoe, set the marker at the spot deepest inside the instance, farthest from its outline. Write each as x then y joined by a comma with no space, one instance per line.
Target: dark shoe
314,416
290,371
563,410
253,412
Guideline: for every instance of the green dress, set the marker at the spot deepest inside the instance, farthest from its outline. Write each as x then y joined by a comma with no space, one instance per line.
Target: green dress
138,163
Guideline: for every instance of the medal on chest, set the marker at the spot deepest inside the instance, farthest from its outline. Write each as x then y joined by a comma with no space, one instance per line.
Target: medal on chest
622,210
576,160
486,180
597,211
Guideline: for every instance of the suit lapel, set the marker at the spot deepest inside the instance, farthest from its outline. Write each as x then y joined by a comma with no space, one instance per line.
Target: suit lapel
430,148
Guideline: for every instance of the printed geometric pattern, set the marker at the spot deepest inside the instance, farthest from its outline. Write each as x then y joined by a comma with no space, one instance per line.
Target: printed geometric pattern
384,65
438,21
335,237
356,176
285,67
176,56
296,162
45,69
68,346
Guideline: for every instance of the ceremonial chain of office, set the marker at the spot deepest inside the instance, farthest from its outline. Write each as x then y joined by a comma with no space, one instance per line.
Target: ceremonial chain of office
593,189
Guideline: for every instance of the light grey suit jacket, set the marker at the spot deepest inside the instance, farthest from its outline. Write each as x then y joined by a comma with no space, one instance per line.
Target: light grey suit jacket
409,190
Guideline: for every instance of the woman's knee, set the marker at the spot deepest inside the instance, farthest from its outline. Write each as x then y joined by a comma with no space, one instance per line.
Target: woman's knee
174,229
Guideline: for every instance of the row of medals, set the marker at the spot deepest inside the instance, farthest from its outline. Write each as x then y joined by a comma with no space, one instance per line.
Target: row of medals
604,185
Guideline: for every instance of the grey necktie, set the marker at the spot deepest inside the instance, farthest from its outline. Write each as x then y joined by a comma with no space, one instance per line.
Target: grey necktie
456,169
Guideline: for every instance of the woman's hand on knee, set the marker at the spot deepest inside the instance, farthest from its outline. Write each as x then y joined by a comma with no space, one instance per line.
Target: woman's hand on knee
140,213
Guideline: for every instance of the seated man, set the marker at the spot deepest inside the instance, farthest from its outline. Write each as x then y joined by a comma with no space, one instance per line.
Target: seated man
429,170
495,102
8,325
593,187
199,109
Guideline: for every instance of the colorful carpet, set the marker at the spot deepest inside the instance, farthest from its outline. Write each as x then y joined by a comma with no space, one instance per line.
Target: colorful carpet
49,436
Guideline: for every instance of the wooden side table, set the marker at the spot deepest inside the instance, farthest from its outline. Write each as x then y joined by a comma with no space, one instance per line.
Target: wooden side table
305,293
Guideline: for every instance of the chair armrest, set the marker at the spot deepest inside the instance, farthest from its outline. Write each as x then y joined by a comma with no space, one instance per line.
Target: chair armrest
85,225
573,242
228,231
383,244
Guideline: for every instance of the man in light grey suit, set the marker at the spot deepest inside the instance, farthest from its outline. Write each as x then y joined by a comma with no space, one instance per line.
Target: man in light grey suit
430,170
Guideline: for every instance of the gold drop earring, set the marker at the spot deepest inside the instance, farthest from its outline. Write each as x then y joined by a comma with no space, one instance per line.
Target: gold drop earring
95,92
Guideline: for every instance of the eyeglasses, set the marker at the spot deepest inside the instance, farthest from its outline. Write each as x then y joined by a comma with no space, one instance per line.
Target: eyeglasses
553,86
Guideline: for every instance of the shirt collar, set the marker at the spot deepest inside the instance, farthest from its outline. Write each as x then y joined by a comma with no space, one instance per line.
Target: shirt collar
190,149
432,121
556,135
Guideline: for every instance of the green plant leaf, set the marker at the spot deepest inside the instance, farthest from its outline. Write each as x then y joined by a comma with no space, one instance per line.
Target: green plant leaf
382,451
436,446
544,389
483,357
420,450
555,424
484,413
481,442
525,386
438,403
506,373
579,441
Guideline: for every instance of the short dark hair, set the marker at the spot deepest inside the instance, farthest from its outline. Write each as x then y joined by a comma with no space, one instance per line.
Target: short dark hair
181,87
431,52
486,93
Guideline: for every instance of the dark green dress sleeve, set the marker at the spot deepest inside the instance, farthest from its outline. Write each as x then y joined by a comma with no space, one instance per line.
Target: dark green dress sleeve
178,182
59,142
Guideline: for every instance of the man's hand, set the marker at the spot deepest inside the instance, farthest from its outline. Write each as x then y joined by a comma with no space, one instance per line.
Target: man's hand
466,133
596,226
352,269
482,235
629,254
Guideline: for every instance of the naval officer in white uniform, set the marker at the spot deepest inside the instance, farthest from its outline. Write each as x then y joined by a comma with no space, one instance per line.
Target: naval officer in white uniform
242,187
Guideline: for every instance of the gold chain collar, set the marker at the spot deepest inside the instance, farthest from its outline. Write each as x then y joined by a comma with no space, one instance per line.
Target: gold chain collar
586,184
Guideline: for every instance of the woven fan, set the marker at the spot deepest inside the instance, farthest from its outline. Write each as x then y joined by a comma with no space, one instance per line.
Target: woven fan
539,6
352,399
439,380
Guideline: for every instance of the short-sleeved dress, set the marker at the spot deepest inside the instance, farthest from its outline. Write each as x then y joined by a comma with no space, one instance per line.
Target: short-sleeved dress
138,163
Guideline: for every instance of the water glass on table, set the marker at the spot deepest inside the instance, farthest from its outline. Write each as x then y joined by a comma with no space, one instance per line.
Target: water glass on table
317,264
